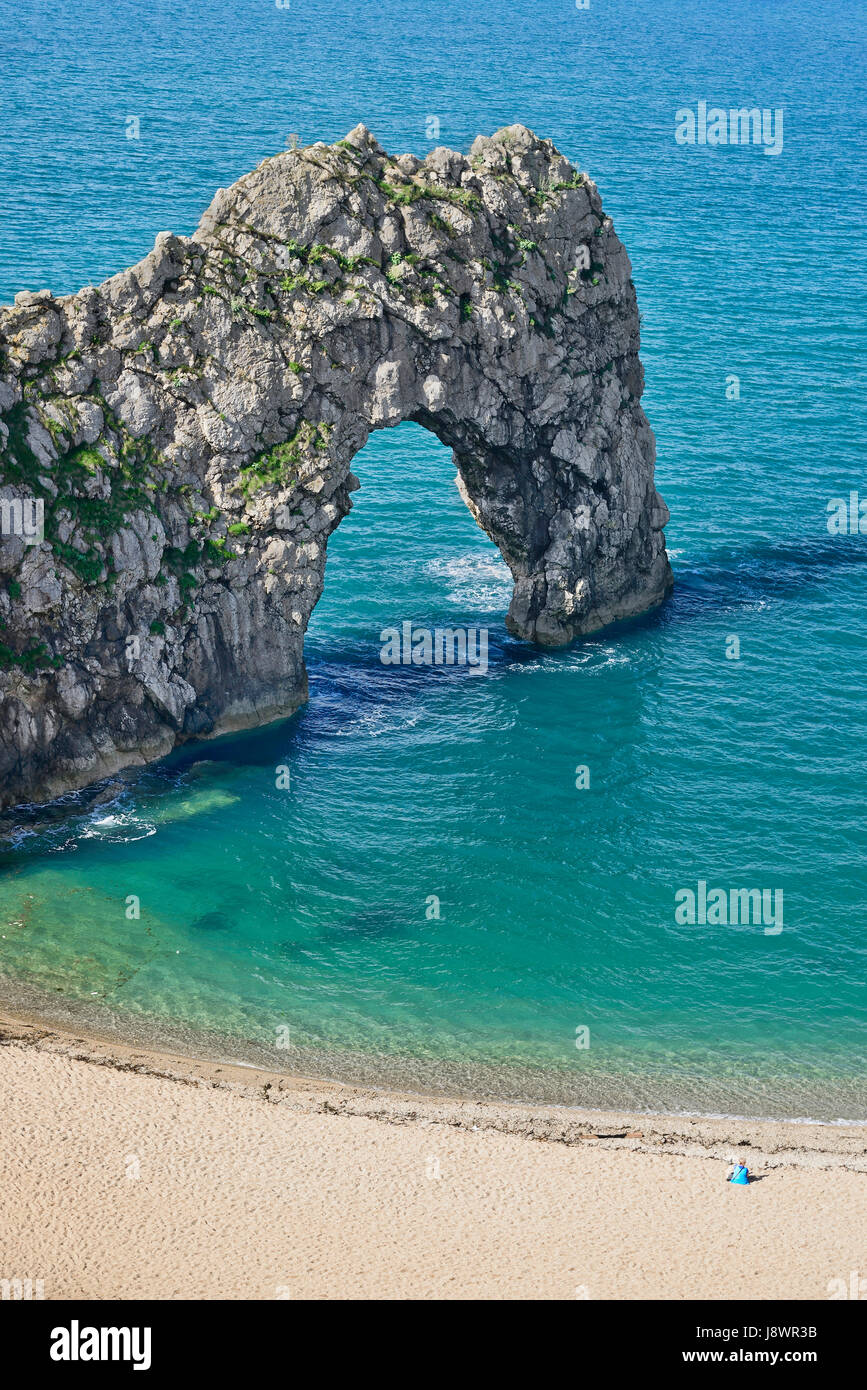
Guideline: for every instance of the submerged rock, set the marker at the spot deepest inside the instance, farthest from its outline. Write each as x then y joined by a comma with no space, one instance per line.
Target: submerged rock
212,921
189,427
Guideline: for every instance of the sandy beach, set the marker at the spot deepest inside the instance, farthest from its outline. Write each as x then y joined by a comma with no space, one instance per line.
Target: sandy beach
130,1174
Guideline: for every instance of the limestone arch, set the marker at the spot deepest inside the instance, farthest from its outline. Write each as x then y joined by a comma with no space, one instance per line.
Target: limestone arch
190,427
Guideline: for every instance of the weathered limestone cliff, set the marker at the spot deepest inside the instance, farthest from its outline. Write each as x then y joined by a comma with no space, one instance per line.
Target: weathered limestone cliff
187,431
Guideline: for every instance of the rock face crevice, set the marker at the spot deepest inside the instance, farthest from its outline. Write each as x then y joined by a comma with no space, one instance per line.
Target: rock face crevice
186,431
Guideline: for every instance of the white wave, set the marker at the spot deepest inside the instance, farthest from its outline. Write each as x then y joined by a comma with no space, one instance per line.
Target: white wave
475,580
374,723
584,661
120,829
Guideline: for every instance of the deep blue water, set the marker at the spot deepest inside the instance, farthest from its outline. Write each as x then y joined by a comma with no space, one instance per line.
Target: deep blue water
263,909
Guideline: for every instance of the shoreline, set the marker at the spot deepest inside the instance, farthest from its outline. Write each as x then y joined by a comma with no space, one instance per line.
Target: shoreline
490,1084
771,1143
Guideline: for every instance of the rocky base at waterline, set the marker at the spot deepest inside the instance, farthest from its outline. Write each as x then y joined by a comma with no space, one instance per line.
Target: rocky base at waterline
176,444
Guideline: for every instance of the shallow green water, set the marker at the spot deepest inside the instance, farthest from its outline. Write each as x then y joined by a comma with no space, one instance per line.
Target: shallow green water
415,790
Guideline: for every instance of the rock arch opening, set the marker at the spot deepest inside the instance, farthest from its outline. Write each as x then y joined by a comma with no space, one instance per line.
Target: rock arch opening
410,549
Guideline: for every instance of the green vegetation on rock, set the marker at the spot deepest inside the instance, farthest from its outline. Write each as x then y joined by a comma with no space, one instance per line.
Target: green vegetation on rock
279,465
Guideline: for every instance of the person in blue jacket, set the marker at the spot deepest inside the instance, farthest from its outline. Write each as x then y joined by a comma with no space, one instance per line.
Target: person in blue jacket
738,1173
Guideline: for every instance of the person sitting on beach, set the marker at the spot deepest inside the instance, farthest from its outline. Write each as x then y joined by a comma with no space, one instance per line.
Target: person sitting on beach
738,1173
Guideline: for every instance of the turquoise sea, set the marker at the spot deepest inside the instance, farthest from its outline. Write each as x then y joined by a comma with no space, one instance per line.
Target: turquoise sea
299,927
